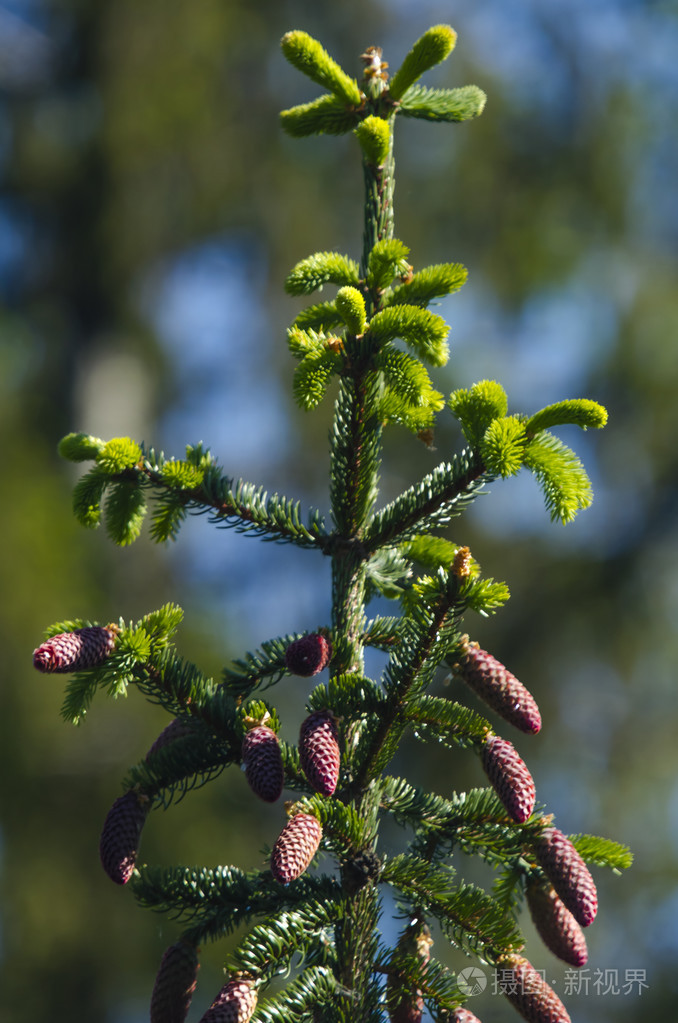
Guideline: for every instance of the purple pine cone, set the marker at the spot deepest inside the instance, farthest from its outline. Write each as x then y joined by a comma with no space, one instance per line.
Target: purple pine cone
309,655
462,1015
528,992
319,751
73,651
120,836
175,984
493,683
235,1003
263,763
568,874
295,847
509,777
556,926
176,729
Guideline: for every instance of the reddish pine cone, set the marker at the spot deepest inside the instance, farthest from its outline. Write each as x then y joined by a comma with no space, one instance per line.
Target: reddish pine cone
528,992
319,751
263,763
493,683
175,984
235,1003
404,1004
119,841
509,777
176,729
295,847
309,655
556,926
73,651
462,1015
568,874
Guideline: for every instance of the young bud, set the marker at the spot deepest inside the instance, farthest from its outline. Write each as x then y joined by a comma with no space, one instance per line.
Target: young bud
120,836
433,47
175,983
500,690
509,777
263,763
309,655
374,137
351,307
319,752
235,1003
568,874
528,992
73,651
556,926
308,56
295,847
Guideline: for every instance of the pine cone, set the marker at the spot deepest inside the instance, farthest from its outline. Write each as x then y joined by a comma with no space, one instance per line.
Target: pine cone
493,683
462,1015
176,729
529,993
263,763
509,777
568,874
319,751
175,983
309,655
556,926
120,836
73,651
295,847
235,1003
404,1004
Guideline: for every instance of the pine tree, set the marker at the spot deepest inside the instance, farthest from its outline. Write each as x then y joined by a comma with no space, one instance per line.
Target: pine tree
375,338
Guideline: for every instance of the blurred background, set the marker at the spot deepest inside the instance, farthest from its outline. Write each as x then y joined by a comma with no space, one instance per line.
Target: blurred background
150,208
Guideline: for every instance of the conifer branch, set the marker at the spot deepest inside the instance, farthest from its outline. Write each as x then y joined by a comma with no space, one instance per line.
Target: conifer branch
438,497
327,924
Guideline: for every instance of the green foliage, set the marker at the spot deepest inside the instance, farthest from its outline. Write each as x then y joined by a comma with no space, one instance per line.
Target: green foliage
469,917
429,283
503,446
125,510
117,455
79,447
409,389
312,378
478,407
433,47
318,317
461,104
603,851
182,475
437,720
374,136
562,477
87,496
579,412
438,497
388,259
308,56
322,268
351,306
425,332
431,551
325,115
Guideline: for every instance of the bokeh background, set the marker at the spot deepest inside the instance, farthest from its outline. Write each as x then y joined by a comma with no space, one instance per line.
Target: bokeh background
150,208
